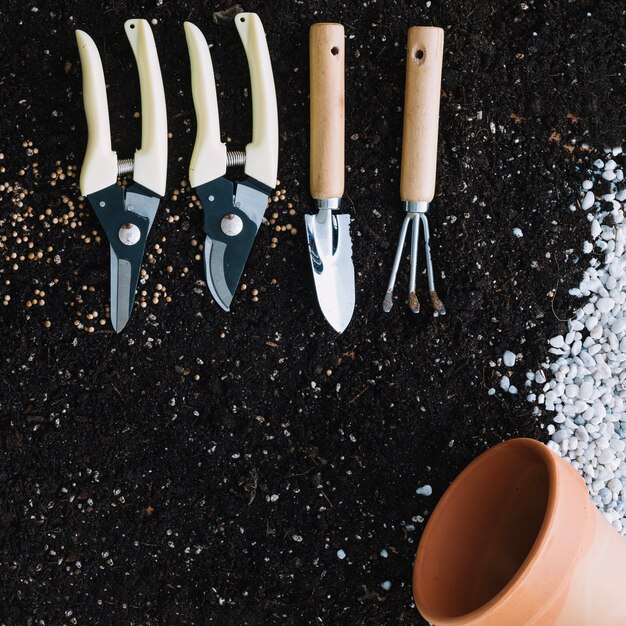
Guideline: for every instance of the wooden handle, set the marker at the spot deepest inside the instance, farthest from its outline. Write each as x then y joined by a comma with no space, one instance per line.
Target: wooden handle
327,58
424,58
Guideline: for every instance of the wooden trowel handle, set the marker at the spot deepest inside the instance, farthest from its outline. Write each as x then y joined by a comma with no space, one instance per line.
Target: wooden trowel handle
424,58
326,60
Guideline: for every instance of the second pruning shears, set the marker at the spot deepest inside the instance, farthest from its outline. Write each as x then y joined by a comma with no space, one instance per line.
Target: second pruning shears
232,211
126,214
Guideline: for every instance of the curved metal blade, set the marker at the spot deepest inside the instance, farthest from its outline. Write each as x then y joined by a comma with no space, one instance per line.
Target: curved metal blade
330,250
214,253
226,251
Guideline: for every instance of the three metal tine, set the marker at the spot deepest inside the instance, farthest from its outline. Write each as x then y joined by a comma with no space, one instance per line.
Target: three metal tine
416,213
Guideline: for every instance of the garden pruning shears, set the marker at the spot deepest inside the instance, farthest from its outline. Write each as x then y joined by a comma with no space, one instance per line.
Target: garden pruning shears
126,213
232,211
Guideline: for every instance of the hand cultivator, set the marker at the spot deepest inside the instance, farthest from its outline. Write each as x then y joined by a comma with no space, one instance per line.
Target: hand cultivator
424,58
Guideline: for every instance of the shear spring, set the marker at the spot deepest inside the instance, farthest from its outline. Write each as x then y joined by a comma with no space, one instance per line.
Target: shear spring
125,167
237,158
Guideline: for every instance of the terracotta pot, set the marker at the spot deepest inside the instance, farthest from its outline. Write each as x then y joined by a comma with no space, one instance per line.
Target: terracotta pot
516,541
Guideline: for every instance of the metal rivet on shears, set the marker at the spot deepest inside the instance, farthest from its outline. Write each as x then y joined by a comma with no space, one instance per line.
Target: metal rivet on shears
231,225
129,234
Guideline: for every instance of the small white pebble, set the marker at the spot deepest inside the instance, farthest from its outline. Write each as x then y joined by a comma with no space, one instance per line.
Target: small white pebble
615,485
605,304
608,175
588,201
595,229
557,342
341,555
508,358
426,490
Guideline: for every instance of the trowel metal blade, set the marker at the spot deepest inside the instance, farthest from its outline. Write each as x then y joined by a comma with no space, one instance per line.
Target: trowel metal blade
330,250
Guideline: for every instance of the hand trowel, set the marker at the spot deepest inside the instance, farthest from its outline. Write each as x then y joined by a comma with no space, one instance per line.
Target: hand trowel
328,233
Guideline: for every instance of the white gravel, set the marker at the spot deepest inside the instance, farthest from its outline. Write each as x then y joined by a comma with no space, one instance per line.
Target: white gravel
585,387
426,490
508,358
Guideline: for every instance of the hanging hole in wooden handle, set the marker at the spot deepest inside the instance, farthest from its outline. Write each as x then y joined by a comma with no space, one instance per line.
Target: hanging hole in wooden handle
418,56
334,50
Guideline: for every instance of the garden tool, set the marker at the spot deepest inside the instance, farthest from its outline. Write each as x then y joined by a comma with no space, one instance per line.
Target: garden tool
328,234
126,213
424,58
232,211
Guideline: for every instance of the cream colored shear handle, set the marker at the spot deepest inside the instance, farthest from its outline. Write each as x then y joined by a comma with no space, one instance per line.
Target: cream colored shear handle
99,168
151,158
208,160
262,152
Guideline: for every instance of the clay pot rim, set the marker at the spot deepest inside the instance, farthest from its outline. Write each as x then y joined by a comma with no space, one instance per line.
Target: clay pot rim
540,545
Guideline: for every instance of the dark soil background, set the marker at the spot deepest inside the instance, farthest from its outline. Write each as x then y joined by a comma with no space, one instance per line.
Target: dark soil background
205,467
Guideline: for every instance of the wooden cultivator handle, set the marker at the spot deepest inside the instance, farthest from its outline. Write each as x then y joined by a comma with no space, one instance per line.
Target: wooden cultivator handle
326,59
424,58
